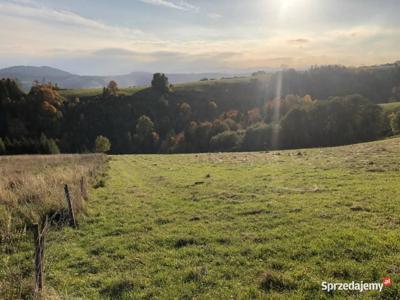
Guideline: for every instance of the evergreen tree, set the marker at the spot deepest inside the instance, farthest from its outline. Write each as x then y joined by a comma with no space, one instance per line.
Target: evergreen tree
52,147
2,147
160,83
47,146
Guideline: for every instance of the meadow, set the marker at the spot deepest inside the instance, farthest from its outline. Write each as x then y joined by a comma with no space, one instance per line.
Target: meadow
89,92
390,107
261,225
127,91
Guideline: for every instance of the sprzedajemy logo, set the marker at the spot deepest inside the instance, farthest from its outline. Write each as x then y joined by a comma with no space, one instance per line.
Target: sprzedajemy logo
360,286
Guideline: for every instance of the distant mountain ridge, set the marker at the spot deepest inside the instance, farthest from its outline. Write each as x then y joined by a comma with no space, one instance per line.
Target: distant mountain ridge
26,75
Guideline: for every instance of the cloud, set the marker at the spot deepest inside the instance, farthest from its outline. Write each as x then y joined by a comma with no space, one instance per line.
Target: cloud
33,29
29,9
299,41
181,5
164,55
33,11
36,34
115,52
213,15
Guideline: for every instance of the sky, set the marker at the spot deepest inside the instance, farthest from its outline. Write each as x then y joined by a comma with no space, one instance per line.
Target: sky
103,37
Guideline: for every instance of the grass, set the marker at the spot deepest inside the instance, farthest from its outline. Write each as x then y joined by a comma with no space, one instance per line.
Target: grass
30,188
390,107
86,92
235,225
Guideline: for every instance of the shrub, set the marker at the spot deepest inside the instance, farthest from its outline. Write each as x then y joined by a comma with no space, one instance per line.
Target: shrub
102,144
395,122
225,141
258,137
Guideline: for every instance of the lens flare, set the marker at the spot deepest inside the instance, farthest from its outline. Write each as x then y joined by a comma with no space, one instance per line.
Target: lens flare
276,111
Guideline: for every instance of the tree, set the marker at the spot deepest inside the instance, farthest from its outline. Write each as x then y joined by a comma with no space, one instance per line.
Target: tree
218,127
203,135
106,92
169,143
395,122
258,137
147,139
185,112
253,116
2,147
259,73
212,108
144,127
160,83
225,141
52,147
48,146
232,125
113,87
190,133
102,144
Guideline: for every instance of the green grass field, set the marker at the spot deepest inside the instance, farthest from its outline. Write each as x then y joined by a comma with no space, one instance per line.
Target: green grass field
88,92
237,225
390,107
189,86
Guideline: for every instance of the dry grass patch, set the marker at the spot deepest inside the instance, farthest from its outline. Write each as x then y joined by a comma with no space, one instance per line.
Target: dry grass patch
32,187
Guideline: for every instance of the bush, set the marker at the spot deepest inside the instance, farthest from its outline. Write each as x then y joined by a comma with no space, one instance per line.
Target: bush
102,144
395,122
225,141
258,137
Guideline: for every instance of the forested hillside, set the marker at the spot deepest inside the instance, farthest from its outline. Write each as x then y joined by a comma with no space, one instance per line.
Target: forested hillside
28,74
323,106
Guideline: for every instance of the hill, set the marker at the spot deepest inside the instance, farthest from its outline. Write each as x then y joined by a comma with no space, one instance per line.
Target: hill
232,225
231,114
26,75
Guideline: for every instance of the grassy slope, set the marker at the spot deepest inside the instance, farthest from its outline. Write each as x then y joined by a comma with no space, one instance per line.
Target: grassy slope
95,92
390,107
209,225
196,85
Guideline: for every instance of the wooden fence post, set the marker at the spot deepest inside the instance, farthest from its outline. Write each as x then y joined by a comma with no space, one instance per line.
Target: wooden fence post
83,188
38,263
39,242
72,220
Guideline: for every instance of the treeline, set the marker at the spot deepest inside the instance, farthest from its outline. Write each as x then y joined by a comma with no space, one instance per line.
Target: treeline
25,145
237,115
379,83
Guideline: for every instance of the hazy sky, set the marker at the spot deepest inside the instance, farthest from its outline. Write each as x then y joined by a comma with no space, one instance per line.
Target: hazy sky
120,36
